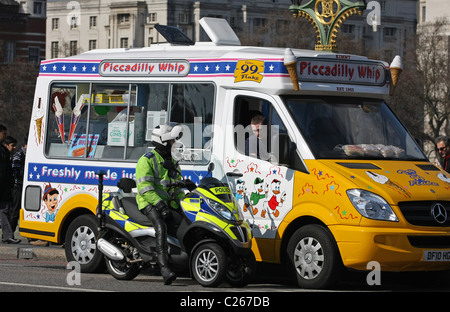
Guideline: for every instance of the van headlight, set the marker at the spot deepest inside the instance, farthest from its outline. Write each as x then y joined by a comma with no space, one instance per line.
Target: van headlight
371,205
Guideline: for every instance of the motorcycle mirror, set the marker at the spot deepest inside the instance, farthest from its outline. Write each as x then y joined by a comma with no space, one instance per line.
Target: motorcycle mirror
211,167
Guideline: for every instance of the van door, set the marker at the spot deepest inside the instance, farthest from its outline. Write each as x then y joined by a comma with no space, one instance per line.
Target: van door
265,189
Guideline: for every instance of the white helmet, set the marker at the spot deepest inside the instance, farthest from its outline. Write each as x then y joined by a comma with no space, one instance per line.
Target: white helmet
162,134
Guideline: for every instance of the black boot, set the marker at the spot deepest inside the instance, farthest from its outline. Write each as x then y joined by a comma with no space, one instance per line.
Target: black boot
168,275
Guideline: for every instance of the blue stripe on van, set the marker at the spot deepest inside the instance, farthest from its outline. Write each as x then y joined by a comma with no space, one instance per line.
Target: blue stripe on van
85,175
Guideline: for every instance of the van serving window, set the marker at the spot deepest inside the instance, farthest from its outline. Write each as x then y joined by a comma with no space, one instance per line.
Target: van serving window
92,120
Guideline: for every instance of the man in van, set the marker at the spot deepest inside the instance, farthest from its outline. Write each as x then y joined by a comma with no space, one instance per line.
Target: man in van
154,171
256,144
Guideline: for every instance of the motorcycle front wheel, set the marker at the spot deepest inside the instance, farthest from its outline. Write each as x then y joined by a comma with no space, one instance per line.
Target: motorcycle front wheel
122,270
209,263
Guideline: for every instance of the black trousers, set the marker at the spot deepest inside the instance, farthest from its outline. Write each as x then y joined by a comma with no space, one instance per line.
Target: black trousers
160,231
162,228
15,209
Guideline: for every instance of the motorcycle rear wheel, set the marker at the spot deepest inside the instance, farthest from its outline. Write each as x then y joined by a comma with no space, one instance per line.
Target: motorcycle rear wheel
122,270
240,270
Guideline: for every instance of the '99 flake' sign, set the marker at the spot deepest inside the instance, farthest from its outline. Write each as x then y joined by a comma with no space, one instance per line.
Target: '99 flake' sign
249,70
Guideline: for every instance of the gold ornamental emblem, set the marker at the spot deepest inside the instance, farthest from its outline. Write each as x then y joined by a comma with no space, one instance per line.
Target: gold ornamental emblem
327,10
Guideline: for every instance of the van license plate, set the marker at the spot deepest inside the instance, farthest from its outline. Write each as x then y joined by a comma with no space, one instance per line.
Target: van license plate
436,255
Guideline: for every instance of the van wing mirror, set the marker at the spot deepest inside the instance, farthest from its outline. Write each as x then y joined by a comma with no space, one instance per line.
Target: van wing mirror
285,148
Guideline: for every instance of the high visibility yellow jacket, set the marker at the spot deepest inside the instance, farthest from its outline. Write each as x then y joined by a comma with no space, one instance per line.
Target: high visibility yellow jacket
152,180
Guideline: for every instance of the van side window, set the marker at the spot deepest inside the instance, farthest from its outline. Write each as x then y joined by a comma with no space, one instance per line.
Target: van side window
189,104
258,138
114,121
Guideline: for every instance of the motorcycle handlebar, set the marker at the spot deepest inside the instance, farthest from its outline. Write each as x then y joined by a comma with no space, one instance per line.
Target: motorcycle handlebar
185,183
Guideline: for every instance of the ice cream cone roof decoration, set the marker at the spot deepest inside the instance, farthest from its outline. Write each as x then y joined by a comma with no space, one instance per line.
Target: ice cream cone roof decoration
396,69
397,62
327,17
290,61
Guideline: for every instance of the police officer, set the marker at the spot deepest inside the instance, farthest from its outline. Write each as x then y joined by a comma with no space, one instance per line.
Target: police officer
154,172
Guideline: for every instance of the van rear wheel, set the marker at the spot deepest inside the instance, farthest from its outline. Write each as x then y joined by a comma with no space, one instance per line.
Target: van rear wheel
314,257
80,244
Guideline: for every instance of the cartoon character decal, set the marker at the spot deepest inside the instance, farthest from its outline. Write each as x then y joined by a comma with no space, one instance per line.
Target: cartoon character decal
379,178
263,194
277,199
445,178
50,198
257,195
54,197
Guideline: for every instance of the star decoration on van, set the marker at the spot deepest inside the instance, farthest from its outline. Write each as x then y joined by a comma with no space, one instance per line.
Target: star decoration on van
198,67
70,67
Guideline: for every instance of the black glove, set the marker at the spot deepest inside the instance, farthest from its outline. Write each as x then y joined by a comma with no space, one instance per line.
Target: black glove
189,185
163,208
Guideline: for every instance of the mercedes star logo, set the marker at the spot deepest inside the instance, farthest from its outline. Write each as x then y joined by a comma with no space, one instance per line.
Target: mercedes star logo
439,213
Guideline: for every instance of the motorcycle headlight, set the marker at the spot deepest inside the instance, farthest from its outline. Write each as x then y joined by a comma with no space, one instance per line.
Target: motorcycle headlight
371,205
239,210
221,210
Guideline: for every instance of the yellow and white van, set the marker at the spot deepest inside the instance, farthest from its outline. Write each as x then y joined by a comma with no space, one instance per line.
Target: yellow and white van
338,180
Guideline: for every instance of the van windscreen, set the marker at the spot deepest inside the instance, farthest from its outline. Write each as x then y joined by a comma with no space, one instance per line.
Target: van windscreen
351,128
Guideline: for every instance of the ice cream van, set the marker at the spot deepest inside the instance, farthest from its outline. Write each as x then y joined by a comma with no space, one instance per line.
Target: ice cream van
336,180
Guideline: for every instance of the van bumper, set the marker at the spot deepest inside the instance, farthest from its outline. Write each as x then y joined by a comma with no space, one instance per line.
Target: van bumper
395,249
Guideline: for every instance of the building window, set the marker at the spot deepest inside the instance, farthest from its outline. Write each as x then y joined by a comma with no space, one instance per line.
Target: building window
123,18
74,22
55,23
10,52
38,8
92,44
259,22
389,31
73,47
424,14
183,18
54,49
33,55
92,22
124,43
152,18
150,41
348,29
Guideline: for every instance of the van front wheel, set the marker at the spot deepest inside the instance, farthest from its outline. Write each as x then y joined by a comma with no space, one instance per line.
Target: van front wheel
314,257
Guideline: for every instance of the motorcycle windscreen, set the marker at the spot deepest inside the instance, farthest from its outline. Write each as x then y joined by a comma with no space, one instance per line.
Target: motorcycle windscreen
218,188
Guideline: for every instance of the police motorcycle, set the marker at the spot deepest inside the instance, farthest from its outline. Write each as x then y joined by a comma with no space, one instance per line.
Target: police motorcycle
212,240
